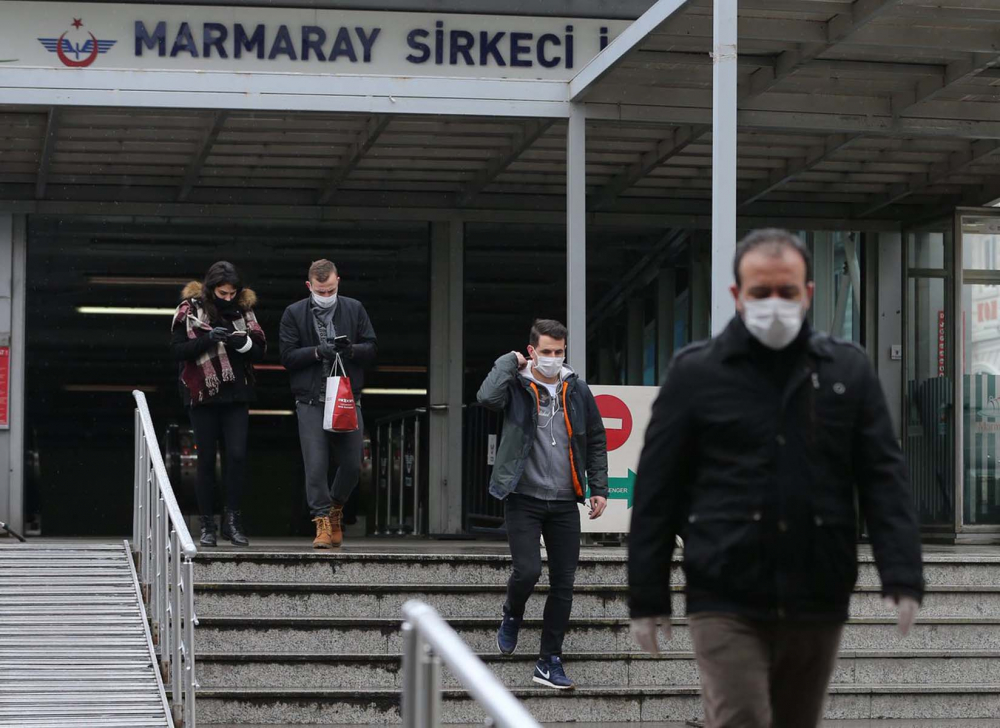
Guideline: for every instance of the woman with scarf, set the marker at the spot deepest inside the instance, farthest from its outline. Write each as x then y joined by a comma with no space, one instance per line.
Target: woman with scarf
216,340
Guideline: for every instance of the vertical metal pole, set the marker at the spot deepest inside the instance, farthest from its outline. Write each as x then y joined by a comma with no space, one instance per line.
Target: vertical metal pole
378,474
431,683
190,620
388,483
157,572
177,628
135,486
416,474
576,238
410,646
724,74
401,506
144,475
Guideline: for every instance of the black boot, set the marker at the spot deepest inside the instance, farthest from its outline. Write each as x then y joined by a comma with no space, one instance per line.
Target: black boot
234,524
208,531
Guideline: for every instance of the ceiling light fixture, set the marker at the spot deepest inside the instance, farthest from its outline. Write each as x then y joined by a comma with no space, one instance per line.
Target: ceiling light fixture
125,311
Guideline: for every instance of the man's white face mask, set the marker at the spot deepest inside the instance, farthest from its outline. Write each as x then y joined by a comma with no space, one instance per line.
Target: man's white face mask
324,301
549,366
774,322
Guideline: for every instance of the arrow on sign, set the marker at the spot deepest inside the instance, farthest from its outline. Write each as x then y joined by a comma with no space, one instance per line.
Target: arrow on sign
622,488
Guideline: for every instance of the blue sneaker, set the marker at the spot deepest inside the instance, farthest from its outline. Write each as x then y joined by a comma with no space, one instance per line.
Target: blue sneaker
507,634
551,674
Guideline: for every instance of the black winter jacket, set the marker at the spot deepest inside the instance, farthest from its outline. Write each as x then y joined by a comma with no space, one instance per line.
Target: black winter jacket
298,341
759,474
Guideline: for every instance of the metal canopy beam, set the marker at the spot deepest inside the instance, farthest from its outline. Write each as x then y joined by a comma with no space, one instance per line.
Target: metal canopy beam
622,46
48,146
792,169
355,153
193,172
958,161
955,73
528,135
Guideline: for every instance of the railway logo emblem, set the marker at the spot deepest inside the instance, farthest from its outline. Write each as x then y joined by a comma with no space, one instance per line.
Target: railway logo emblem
76,55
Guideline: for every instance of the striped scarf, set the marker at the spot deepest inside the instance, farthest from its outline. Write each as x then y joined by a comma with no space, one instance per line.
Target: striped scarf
202,375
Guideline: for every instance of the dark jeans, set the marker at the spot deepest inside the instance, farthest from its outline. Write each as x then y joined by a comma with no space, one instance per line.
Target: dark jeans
763,674
559,522
317,444
229,423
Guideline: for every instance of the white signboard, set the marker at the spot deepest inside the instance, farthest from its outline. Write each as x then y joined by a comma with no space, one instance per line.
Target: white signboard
626,412
289,40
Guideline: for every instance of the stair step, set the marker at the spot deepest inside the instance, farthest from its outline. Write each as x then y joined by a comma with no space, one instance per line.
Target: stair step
598,704
375,635
274,599
613,669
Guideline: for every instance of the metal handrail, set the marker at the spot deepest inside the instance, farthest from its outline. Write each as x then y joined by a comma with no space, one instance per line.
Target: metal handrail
427,640
164,553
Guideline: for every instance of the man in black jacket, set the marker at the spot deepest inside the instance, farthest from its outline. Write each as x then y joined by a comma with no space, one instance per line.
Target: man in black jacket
760,444
314,331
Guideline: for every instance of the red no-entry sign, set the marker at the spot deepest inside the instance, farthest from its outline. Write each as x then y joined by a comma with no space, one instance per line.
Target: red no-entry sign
617,420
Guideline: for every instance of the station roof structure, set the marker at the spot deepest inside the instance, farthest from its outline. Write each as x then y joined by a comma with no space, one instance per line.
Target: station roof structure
852,115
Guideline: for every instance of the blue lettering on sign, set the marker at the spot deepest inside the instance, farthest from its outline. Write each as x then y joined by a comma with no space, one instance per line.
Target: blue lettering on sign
313,38
184,42
454,47
418,45
243,42
282,45
214,36
144,39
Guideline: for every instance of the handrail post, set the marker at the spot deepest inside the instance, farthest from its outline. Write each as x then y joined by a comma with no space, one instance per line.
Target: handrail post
430,683
410,646
416,474
135,485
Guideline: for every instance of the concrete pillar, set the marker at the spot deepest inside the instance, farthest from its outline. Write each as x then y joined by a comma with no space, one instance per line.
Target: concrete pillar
13,259
666,295
889,331
634,348
576,239
447,372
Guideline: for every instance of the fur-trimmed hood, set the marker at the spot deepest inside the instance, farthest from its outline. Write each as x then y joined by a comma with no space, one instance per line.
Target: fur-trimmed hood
246,300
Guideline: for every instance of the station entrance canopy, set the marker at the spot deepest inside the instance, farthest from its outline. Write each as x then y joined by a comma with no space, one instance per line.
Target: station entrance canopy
850,114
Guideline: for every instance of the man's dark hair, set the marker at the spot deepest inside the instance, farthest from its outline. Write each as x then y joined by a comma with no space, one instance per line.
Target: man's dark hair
321,270
547,327
772,241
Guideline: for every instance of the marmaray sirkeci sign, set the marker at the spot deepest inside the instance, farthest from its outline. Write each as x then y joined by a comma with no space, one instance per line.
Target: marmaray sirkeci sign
625,412
249,39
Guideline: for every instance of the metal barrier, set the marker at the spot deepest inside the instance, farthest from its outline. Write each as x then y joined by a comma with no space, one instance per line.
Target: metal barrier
427,640
481,428
164,553
398,473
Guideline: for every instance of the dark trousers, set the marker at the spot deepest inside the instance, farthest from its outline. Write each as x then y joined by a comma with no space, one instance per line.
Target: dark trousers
763,674
559,522
317,445
229,423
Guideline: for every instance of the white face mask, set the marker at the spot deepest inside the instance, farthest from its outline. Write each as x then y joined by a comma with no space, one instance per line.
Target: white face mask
325,301
774,322
550,366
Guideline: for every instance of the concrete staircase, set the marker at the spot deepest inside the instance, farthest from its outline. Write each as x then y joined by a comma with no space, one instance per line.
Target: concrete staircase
309,638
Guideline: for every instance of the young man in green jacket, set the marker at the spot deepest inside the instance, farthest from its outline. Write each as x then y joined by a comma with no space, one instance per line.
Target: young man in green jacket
552,449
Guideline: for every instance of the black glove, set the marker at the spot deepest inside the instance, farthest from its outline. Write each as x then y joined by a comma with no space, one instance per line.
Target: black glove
327,351
342,344
237,341
218,334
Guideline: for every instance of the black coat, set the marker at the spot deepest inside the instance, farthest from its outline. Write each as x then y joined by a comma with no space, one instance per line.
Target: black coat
298,341
758,470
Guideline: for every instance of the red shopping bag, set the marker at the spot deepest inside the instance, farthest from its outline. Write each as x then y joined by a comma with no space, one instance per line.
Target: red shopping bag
339,412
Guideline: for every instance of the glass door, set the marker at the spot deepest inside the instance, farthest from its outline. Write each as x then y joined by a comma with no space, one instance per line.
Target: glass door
928,425
979,501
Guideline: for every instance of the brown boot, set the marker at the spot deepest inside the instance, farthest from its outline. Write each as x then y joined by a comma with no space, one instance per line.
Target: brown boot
336,524
324,534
